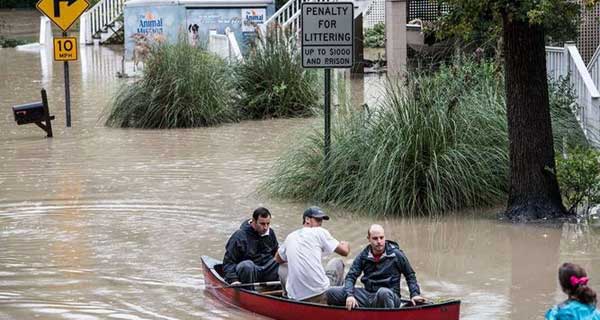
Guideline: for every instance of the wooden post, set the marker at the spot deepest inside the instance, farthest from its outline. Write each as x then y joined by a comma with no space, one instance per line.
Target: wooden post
358,54
48,125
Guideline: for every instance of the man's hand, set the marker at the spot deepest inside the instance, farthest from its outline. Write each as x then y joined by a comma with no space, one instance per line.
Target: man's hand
351,303
235,283
417,300
343,248
278,258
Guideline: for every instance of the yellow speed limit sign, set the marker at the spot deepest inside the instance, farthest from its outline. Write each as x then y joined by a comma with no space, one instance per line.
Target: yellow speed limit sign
65,49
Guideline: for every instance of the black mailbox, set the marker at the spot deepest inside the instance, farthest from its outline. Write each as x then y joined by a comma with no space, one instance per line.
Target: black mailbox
35,112
29,113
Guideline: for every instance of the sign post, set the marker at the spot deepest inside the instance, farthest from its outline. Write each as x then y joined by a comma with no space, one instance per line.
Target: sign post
64,13
327,42
67,88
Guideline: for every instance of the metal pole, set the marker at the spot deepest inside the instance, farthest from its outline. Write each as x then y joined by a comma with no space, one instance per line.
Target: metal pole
67,90
327,113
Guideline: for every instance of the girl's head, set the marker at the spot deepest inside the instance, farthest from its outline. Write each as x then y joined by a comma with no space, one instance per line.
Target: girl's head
573,280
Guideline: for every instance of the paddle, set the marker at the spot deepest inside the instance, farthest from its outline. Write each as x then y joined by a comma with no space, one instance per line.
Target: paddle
243,285
263,284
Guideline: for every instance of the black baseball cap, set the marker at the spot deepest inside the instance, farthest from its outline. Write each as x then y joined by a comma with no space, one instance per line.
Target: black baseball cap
315,212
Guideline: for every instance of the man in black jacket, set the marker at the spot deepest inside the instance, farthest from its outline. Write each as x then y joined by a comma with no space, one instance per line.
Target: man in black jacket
382,264
250,250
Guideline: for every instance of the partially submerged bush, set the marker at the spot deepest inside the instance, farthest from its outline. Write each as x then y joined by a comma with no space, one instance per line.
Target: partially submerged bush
578,174
182,86
438,143
437,146
271,80
375,37
10,42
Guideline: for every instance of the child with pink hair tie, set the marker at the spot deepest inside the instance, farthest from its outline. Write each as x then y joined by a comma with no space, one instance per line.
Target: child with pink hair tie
581,301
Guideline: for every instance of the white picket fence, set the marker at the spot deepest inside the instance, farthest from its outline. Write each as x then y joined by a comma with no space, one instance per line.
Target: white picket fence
566,61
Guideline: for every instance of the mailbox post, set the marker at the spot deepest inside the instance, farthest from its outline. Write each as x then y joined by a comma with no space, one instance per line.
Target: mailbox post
35,112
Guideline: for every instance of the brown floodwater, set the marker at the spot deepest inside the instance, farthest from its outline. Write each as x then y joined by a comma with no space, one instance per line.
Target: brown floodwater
104,223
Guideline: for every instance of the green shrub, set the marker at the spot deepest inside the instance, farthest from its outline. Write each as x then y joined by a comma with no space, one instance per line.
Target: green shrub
271,80
375,37
181,87
10,43
579,177
438,143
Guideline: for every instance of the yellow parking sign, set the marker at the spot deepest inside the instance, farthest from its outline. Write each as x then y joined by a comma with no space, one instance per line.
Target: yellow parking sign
65,49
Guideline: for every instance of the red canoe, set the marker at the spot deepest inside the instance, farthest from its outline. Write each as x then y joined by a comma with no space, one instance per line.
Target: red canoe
274,306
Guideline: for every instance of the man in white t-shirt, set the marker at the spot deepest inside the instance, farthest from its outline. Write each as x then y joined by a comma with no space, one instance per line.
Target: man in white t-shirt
305,278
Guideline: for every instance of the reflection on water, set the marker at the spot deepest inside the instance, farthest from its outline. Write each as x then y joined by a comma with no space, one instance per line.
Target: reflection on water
102,223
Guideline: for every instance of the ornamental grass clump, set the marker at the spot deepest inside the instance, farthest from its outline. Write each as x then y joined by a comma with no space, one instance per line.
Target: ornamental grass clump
181,87
437,143
272,82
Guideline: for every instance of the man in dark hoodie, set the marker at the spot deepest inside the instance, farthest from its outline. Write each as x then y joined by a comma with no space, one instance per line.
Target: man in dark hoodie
250,250
382,264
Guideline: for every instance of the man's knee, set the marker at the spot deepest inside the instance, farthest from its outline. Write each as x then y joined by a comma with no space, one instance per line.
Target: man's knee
335,264
336,296
335,271
386,298
282,271
245,266
384,293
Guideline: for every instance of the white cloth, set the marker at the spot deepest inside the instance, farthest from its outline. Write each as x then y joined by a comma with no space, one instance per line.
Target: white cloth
303,250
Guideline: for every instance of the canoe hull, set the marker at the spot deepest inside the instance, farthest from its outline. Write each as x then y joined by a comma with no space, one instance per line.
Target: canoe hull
285,309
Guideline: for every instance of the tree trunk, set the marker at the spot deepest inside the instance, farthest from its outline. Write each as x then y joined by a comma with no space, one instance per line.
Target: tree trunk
534,193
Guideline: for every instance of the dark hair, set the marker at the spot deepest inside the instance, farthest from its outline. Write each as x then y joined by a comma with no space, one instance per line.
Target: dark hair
581,292
260,212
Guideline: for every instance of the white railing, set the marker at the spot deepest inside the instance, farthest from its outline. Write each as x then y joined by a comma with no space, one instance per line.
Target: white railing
588,96
288,15
556,64
235,53
224,45
218,44
285,13
594,67
565,61
96,19
594,113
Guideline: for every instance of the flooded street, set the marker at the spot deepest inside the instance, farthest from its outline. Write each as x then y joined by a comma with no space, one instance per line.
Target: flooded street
104,223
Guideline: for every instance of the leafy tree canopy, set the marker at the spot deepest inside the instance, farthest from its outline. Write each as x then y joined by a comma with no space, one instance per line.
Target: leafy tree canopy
479,21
